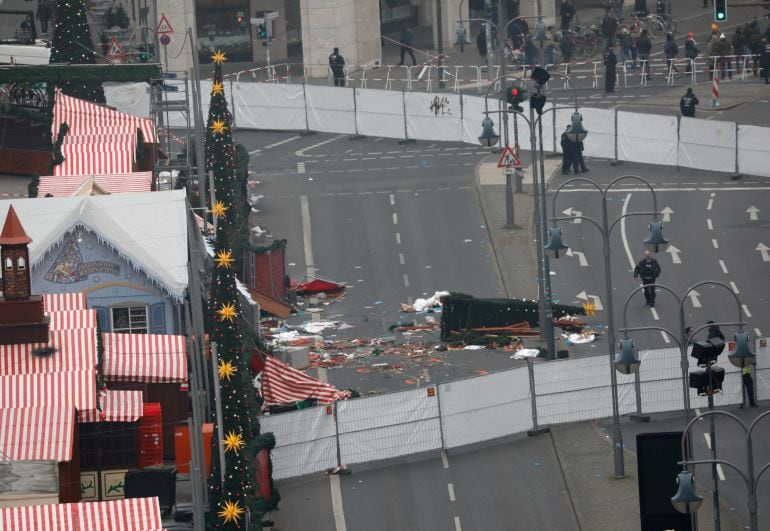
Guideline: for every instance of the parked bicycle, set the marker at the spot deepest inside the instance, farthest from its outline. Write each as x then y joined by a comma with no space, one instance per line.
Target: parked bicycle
586,42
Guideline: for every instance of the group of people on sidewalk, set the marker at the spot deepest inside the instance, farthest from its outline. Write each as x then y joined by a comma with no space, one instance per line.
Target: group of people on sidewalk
572,154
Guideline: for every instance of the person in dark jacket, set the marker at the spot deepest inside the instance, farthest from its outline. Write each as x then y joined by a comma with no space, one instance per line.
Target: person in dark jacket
649,270
43,14
610,62
567,46
337,64
405,40
714,331
643,49
764,58
671,49
481,44
691,51
27,26
578,164
566,12
567,152
609,27
687,103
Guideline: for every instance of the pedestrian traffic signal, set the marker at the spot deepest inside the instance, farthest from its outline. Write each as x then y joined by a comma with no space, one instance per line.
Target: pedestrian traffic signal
515,96
239,18
261,31
720,10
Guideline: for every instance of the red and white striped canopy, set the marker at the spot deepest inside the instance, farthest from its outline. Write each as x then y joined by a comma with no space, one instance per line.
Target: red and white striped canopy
57,302
37,433
117,406
72,319
82,159
134,514
151,358
112,183
74,388
282,384
74,350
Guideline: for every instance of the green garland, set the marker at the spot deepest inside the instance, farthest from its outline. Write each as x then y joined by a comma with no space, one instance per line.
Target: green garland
58,157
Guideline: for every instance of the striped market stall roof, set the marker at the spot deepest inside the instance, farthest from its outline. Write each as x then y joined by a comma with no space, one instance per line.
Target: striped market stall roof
58,302
83,159
73,388
72,319
66,350
117,406
282,384
135,514
150,358
111,183
37,433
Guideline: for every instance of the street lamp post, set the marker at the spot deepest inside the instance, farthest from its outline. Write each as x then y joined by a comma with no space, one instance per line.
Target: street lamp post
555,246
683,340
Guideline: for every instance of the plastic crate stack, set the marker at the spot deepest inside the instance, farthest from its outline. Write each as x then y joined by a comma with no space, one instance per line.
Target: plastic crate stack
151,436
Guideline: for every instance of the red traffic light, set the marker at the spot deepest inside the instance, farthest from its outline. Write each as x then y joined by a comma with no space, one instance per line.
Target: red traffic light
514,91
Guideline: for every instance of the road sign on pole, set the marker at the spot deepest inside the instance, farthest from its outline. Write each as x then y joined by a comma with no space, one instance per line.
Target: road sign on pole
164,26
509,159
115,54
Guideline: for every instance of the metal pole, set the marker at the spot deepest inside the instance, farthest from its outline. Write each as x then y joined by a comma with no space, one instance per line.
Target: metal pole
546,326
508,177
440,35
199,123
541,312
337,436
516,150
713,434
218,404
532,395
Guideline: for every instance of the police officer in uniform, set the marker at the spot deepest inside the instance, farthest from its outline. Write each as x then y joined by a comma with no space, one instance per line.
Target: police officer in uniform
337,64
687,104
610,61
764,59
649,269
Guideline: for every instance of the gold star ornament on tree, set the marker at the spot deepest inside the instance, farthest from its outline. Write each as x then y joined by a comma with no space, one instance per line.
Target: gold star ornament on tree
219,209
218,58
231,512
589,308
217,88
227,312
225,370
218,127
234,442
224,259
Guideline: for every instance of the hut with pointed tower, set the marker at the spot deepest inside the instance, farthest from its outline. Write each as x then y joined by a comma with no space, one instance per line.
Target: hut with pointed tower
21,314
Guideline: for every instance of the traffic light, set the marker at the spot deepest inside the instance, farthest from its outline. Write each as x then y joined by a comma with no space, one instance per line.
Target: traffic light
707,352
720,10
239,18
261,31
514,96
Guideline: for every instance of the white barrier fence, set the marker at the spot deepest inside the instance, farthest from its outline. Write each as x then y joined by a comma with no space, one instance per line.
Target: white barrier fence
613,134
488,407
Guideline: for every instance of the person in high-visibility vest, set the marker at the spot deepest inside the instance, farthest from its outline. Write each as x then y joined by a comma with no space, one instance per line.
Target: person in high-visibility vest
748,384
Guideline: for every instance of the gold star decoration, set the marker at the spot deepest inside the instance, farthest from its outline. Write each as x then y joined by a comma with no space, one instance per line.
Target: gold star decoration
219,209
231,512
218,127
234,442
589,308
224,259
225,369
217,88
227,312
219,57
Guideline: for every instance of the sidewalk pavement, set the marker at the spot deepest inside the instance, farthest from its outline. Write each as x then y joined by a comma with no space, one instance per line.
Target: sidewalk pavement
584,451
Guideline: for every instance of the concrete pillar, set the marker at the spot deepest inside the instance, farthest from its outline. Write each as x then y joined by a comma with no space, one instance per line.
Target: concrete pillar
180,15
278,47
544,8
451,12
351,25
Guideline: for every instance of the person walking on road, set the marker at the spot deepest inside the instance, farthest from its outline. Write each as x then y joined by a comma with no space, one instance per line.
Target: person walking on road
649,270
406,45
643,49
687,104
337,64
609,27
690,51
671,49
481,44
566,12
610,62
567,152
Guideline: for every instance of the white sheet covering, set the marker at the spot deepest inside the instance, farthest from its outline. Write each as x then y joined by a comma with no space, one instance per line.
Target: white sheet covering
380,113
269,106
753,150
433,116
330,109
707,144
647,138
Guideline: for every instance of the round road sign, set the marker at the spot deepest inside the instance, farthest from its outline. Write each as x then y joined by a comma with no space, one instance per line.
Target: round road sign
165,39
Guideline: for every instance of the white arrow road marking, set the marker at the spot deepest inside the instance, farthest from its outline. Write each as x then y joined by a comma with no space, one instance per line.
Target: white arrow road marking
594,298
580,256
694,298
753,211
674,251
667,213
762,248
577,214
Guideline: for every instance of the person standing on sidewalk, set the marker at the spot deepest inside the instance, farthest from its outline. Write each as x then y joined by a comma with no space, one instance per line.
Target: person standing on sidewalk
406,45
671,49
43,14
566,12
567,152
481,44
610,62
649,269
687,104
337,64
747,382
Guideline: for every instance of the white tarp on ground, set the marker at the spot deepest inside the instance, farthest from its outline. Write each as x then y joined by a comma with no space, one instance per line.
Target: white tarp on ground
433,116
647,138
503,408
330,109
380,113
600,124
707,144
753,150
269,106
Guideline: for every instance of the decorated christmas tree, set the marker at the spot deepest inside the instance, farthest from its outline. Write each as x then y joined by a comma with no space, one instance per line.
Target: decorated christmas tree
241,490
72,44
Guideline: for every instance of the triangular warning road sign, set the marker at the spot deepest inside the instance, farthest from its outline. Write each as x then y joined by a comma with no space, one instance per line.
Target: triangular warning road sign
116,50
164,26
508,159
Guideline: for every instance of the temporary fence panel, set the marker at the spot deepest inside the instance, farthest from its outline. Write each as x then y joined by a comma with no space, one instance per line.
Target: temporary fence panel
473,115
380,113
382,427
486,407
550,120
600,124
436,117
707,144
661,380
647,138
305,441
753,150
762,369
130,98
269,106
330,109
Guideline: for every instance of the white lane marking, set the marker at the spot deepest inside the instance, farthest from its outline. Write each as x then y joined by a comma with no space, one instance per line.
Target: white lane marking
392,199
300,167
425,375
697,412
395,218
375,153
708,440
401,258
710,204
255,152
735,287
301,152
458,526
282,142
307,235
623,230
339,513
359,169
654,314
758,332
715,243
379,139
723,266
406,280
746,310
369,158
665,337
387,157
451,489
398,238
444,459
720,472
709,224
348,160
